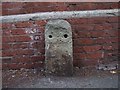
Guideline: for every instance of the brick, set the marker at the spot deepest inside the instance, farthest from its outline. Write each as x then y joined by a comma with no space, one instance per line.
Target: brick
102,5
10,5
6,46
7,25
88,56
112,19
82,27
23,24
61,8
99,20
116,46
28,59
16,39
85,41
38,9
21,59
37,58
108,47
28,10
99,40
111,40
82,41
55,4
96,34
107,26
18,32
104,26
95,55
106,40
6,32
29,4
21,52
111,53
80,6
20,46
6,60
12,11
98,27
111,47
21,38
111,56
78,21
81,34
37,4
38,65
115,5
78,49
7,53
38,45
115,26
5,12
41,22
105,33
92,48
111,33
8,39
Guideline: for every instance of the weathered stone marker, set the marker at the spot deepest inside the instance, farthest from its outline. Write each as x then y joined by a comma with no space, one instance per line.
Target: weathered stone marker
58,48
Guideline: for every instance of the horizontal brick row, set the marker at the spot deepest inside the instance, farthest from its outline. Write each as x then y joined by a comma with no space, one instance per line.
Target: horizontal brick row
84,63
10,8
95,48
7,39
104,26
24,59
86,56
94,34
92,23
50,4
19,52
24,24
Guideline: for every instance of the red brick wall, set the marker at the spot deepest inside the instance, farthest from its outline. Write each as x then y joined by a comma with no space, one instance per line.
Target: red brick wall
95,40
32,7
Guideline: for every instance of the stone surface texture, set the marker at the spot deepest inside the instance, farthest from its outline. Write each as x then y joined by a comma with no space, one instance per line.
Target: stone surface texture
58,48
